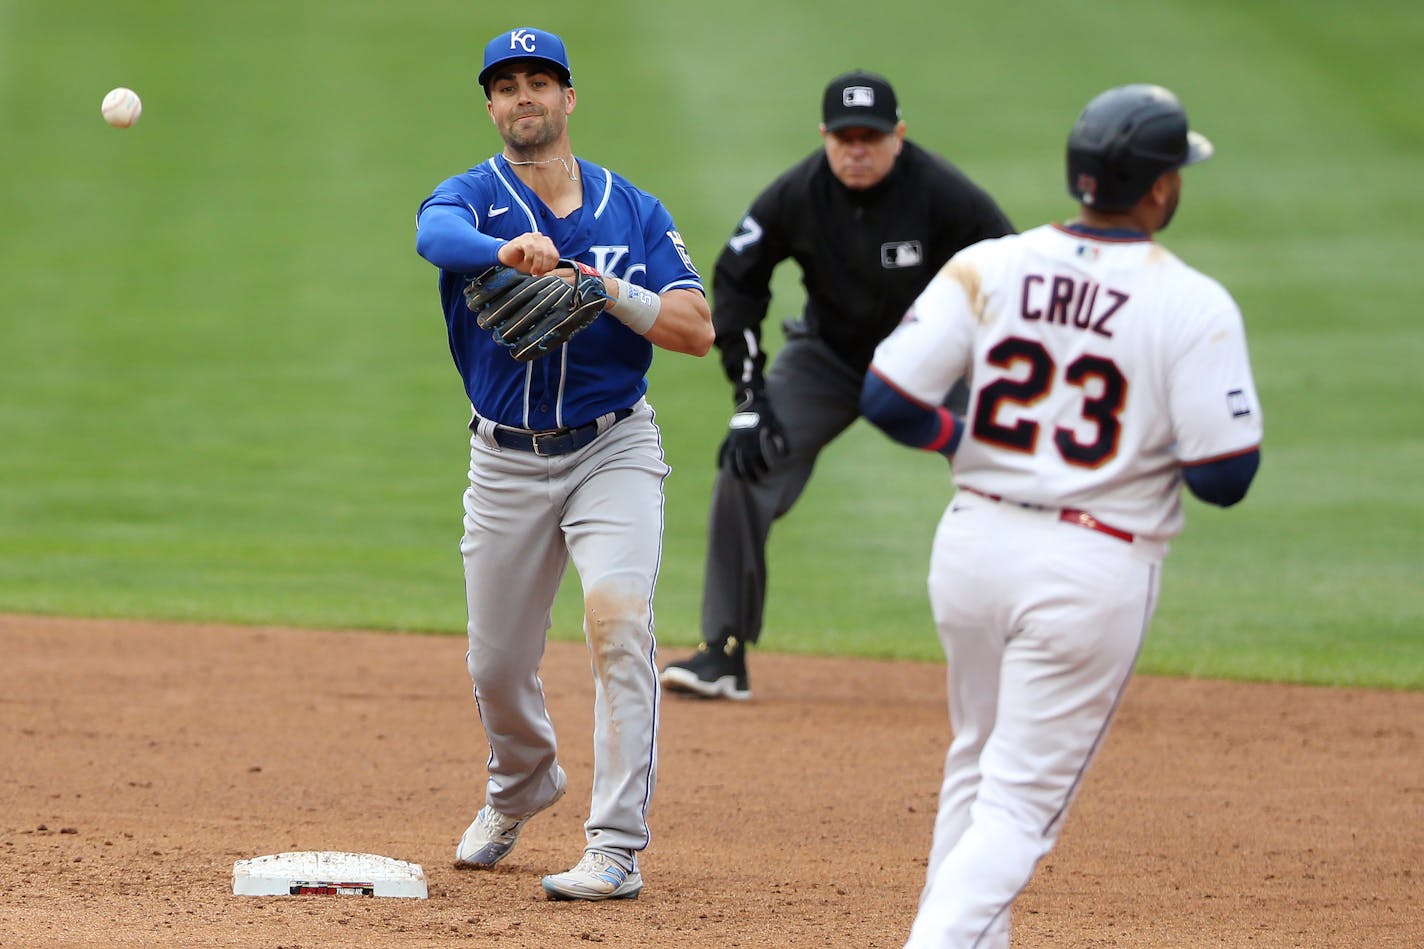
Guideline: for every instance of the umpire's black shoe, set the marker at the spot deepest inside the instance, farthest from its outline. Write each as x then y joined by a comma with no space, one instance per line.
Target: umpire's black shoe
717,671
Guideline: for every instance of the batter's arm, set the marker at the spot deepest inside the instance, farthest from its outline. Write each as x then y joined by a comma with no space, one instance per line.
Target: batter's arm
1216,414
1223,481
907,419
917,365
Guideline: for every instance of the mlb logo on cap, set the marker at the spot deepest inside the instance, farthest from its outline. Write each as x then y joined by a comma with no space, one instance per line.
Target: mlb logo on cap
862,100
863,96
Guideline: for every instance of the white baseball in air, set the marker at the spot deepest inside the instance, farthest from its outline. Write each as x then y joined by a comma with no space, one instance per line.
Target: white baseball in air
121,107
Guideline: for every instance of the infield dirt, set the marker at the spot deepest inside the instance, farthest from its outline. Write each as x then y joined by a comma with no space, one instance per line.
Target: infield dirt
142,760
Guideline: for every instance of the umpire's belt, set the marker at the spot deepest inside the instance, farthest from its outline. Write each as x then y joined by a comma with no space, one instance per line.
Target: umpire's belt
558,441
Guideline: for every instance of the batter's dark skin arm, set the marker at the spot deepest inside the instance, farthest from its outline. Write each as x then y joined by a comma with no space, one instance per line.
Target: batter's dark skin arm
907,419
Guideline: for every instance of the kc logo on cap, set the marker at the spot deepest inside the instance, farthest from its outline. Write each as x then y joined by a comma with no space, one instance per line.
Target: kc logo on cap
526,42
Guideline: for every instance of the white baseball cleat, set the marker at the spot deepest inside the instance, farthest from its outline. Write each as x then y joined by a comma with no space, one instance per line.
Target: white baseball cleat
492,835
596,877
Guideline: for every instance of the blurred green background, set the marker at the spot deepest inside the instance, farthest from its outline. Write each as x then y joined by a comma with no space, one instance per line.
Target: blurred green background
225,392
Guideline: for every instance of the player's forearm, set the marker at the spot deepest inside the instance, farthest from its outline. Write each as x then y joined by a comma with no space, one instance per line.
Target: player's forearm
684,323
451,242
907,420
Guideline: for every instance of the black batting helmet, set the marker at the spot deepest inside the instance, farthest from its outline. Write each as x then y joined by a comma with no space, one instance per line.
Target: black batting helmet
1124,140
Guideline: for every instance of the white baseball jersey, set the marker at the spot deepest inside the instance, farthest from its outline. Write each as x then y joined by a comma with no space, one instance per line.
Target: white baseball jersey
1099,366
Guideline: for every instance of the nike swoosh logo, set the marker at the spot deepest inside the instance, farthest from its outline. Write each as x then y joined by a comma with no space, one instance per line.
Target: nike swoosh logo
496,212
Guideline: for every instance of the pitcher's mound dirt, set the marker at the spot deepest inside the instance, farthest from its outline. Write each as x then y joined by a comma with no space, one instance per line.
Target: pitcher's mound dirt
142,760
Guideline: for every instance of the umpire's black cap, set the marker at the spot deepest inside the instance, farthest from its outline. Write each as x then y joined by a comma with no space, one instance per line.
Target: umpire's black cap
860,99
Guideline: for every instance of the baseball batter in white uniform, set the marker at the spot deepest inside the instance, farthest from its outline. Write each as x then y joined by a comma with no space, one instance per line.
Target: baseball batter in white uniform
1104,373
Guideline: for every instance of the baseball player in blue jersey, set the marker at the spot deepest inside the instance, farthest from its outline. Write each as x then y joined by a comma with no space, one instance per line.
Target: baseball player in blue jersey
566,461
1106,374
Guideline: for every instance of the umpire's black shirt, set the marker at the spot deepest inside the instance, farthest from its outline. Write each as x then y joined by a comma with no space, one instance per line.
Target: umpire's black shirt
864,255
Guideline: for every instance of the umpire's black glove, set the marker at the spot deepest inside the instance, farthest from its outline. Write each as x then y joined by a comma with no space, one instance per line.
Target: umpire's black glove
754,438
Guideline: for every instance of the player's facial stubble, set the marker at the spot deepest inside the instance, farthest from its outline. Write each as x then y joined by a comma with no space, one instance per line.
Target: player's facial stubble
530,109
530,131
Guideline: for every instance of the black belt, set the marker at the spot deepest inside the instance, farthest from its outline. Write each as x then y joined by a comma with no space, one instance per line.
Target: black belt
559,441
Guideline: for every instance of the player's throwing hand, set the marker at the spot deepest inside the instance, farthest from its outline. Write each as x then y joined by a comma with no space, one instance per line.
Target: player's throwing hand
532,253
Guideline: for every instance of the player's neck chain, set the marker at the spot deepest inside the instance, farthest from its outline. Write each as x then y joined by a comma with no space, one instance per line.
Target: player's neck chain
568,169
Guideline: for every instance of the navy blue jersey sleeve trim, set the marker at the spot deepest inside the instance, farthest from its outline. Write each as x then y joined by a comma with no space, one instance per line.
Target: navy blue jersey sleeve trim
1223,481
908,420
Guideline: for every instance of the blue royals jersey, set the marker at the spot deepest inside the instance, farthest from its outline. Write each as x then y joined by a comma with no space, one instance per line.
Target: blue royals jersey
620,231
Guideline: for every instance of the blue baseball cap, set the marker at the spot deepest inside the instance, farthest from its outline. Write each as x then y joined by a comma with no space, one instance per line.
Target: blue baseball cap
526,43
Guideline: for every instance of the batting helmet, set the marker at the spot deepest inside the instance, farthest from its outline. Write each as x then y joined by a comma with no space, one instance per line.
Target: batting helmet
1124,140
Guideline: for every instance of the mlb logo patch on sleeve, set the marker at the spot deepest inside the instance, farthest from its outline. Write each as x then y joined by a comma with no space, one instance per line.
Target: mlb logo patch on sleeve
1237,402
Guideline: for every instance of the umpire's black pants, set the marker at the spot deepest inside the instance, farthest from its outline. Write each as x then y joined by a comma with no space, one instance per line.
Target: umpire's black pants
815,396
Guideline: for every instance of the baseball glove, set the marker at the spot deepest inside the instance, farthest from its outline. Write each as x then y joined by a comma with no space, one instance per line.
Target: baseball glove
533,316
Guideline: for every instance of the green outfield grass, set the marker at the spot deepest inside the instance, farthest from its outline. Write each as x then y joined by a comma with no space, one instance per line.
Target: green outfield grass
225,392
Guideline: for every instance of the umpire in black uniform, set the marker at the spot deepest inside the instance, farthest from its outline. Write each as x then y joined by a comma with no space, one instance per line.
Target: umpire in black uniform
869,218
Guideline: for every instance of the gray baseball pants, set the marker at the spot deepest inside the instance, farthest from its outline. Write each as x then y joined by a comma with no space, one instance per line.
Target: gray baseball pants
526,516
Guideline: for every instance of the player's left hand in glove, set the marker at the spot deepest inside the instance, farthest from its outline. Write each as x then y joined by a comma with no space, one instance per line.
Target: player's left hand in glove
533,316
754,439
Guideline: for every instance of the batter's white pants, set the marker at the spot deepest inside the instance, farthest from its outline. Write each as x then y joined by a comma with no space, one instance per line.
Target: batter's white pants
525,517
1041,623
